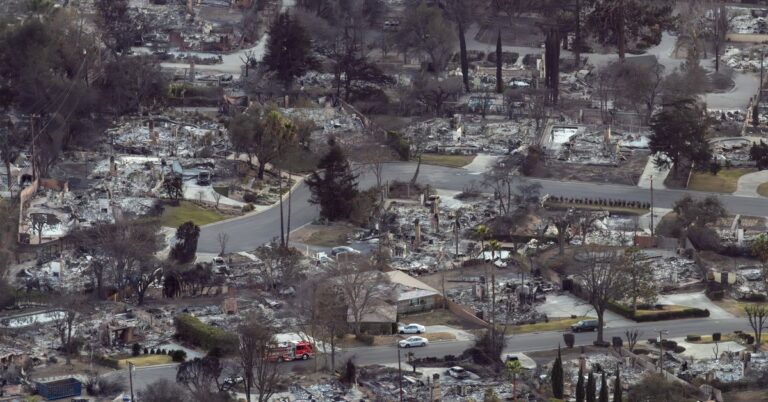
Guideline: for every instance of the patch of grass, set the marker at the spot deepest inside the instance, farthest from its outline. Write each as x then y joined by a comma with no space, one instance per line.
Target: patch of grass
666,307
145,360
188,211
763,189
454,161
223,190
436,317
735,307
554,324
617,210
724,182
330,237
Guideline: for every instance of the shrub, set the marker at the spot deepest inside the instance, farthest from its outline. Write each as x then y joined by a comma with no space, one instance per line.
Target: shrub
192,330
716,337
250,198
366,339
248,207
107,361
570,339
135,349
679,349
146,351
178,356
692,338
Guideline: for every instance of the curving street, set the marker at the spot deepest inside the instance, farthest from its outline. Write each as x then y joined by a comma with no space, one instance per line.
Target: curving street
248,232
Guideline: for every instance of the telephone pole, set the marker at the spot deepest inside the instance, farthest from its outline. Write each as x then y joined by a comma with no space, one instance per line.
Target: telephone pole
130,379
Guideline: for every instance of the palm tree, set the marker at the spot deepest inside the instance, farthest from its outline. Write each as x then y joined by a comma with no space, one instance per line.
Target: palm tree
495,246
456,228
482,231
514,367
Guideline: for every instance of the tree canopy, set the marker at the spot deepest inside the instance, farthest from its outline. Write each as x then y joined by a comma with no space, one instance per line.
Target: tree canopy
334,187
289,50
679,133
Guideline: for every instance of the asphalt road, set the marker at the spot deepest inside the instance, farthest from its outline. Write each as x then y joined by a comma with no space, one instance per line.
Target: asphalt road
514,344
247,233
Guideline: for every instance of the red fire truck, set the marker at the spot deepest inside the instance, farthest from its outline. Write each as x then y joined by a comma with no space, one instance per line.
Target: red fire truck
288,351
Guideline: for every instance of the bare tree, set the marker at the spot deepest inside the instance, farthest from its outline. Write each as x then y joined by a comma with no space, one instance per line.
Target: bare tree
602,280
640,280
719,25
201,377
73,307
39,221
501,178
433,93
757,314
324,314
562,222
632,335
163,390
361,286
223,239
585,220
261,374
216,198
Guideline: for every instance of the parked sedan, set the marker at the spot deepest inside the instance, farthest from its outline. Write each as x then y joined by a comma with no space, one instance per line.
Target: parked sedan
413,341
343,250
412,329
458,372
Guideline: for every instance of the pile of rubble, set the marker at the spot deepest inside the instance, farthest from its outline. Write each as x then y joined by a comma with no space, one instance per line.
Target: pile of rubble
675,271
743,60
729,367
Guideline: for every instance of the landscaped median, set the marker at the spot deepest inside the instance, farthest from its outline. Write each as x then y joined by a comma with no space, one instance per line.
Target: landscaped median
658,312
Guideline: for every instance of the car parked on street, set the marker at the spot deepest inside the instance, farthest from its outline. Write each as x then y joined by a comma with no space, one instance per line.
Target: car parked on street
413,341
412,329
584,326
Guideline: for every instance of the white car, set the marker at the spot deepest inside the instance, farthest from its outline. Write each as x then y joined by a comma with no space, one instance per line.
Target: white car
413,342
458,372
343,249
412,329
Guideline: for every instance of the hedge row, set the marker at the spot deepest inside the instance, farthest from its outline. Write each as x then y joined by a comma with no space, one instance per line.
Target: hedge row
192,330
603,202
661,315
107,361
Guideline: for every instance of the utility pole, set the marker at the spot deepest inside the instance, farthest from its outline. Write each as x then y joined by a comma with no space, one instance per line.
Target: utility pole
661,348
399,374
130,378
760,88
651,205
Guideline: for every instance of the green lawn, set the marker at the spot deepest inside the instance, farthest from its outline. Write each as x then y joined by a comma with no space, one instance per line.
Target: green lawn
763,189
146,360
187,211
554,324
666,307
454,161
724,182
330,237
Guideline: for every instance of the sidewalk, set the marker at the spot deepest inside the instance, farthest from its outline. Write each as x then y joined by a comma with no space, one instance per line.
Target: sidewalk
659,174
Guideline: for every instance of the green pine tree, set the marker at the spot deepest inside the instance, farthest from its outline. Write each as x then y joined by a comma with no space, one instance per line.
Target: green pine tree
289,49
557,376
580,386
603,389
617,387
591,388
335,188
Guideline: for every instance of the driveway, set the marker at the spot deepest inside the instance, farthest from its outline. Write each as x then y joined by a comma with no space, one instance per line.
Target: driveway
460,334
697,300
566,305
748,184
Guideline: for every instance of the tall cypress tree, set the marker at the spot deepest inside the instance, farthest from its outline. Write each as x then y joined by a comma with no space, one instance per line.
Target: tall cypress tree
603,389
557,376
580,386
499,81
335,189
289,49
590,388
617,396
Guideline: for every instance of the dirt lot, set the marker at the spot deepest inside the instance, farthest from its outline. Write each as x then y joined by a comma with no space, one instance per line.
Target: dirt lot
627,173
452,277
524,32
323,236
